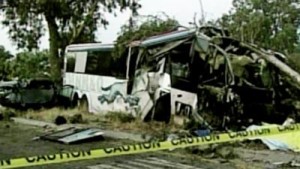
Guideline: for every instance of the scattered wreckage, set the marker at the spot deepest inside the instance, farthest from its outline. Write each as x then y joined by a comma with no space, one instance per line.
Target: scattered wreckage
201,74
73,135
220,81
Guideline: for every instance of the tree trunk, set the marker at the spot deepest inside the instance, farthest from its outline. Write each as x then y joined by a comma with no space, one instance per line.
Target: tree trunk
295,76
54,48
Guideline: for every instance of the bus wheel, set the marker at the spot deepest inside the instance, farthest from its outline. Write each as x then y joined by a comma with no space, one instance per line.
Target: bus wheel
83,104
162,111
75,101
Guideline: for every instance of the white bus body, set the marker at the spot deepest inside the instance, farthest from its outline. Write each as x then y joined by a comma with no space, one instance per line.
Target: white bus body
88,68
103,89
134,86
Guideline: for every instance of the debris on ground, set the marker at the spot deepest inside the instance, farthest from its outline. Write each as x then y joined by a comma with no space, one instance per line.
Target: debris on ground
75,119
225,152
253,144
213,151
172,137
60,120
74,135
284,141
292,163
288,121
295,163
33,122
202,132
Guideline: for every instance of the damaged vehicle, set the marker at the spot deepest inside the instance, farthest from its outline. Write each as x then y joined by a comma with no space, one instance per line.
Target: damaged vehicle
32,93
221,81
200,73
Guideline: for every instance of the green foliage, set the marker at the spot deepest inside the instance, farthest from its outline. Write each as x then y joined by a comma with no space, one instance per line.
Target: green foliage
25,19
29,65
68,21
271,24
139,29
4,59
120,116
294,61
297,48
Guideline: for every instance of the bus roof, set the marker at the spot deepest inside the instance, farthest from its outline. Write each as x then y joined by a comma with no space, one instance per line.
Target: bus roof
89,46
167,37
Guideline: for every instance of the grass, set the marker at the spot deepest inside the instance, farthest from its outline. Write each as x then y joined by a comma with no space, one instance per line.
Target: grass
113,120
49,115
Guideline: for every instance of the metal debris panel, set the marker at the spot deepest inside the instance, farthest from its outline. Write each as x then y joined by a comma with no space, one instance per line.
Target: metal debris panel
83,135
72,135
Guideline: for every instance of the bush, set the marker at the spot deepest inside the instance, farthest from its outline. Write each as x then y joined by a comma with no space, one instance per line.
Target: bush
120,116
294,61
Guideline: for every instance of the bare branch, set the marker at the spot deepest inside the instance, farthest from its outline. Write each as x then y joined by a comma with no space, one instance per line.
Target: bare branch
79,28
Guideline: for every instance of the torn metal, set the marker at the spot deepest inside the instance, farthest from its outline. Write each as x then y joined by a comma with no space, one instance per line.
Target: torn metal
285,142
217,79
73,135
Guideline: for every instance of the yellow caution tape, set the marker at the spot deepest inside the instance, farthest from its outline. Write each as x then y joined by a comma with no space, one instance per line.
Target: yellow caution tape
145,147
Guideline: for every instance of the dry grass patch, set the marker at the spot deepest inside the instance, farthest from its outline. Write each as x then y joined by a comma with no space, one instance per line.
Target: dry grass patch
49,115
112,120
6,114
121,121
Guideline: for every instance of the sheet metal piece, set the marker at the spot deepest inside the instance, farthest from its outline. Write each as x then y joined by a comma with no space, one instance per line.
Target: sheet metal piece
285,141
72,135
83,135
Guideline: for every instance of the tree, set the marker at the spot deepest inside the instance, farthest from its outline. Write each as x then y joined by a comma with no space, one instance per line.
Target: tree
139,28
5,56
68,21
22,65
269,23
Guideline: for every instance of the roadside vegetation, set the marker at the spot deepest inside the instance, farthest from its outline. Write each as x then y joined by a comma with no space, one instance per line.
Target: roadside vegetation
273,24
112,120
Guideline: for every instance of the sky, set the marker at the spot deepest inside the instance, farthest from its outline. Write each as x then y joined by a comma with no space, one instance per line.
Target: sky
181,10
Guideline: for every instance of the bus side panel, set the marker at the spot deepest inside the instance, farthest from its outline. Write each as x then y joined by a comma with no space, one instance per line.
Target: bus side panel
112,96
183,103
104,93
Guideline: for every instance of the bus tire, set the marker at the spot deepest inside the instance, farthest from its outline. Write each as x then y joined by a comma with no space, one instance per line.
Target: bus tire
84,104
162,110
74,102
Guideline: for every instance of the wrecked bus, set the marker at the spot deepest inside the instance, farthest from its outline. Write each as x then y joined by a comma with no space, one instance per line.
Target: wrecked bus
200,74
133,83
101,83
219,81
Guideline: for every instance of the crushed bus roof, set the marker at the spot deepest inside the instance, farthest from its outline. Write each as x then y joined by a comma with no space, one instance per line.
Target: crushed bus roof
89,46
172,36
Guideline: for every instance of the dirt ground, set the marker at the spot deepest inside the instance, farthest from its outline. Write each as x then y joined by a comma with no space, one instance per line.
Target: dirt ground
16,141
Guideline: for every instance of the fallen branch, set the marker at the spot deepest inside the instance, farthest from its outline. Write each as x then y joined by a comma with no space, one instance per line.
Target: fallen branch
295,76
